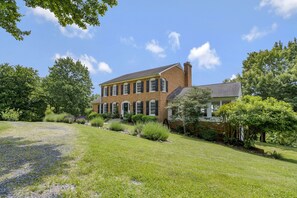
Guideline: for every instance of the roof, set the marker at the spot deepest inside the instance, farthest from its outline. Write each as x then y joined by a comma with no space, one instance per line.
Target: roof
141,74
221,90
97,101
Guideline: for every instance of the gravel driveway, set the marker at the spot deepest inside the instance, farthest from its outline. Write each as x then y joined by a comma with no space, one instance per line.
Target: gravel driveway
30,152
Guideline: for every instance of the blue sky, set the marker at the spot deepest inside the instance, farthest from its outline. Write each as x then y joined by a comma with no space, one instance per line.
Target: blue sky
215,36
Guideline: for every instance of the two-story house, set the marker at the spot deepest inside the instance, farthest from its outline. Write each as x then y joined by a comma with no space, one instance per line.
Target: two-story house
143,92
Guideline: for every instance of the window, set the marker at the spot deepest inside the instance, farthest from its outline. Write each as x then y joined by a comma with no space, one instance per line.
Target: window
125,89
138,87
114,108
105,108
153,85
163,85
114,90
139,108
152,107
105,91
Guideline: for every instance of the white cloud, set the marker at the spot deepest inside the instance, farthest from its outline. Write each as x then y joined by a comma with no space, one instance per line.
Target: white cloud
154,47
88,61
284,8
130,41
204,56
69,31
104,67
174,40
233,77
256,33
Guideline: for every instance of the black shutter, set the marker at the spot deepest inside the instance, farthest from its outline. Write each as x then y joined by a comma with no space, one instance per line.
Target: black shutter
128,88
117,90
111,88
107,91
141,106
157,108
157,86
161,84
106,107
147,107
98,110
102,91
122,89
166,85
147,86
134,87
101,108
141,86
134,107
110,107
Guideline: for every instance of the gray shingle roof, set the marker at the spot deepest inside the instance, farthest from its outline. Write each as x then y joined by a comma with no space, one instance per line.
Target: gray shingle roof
221,90
140,74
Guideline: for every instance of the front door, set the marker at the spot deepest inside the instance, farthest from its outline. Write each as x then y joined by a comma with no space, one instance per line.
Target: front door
125,108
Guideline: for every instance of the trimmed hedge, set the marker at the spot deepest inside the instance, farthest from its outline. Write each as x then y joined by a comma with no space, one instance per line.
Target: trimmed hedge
140,118
155,131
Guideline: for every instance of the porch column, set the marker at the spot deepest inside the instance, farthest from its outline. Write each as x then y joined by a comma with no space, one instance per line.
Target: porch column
208,110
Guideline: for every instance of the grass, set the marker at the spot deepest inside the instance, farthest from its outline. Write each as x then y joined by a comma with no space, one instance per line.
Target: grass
112,164
4,126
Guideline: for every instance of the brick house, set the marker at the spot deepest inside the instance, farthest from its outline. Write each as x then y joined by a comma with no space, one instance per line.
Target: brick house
149,91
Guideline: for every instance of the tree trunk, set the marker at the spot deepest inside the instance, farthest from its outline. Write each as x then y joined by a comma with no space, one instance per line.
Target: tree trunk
263,137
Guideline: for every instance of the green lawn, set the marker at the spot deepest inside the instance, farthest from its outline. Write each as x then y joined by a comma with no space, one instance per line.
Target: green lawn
4,126
115,164
112,164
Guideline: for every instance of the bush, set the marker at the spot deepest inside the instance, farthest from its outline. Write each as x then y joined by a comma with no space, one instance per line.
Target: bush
93,115
106,116
116,126
11,115
62,117
275,155
137,118
97,122
88,111
81,120
155,131
128,117
209,134
137,129
69,119
147,118
49,110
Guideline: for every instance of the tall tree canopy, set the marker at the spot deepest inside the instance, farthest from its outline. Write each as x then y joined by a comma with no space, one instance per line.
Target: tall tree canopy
68,86
272,73
68,12
20,89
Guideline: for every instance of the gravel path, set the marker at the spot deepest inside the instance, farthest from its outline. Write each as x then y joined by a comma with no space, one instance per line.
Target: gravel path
31,151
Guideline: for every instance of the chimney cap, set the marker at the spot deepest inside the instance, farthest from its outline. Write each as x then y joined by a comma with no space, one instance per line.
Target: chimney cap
188,64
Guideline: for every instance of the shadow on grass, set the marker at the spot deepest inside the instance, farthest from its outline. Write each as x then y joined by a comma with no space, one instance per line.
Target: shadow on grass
287,148
23,163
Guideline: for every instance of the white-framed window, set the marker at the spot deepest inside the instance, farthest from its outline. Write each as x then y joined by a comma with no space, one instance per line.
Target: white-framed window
152,107
105,108
138,87
139,107
114,107
114,90
125,89
163,85
153,86
105,91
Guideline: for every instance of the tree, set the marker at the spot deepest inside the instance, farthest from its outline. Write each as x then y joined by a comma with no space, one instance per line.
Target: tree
272,73
68,86
81,13
20,89
187,108
256,115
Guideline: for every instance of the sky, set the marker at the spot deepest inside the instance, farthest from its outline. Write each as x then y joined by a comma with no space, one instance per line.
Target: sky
215,36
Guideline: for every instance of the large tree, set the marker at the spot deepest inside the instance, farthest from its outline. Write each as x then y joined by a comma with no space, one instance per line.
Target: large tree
187,108
68,86
272,73
68,12
20,89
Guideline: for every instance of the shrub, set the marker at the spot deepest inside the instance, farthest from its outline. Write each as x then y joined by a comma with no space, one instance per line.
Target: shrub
81,120
147,118
11,115
106,116
97,122
137,129
69,119
275,155
93,115
49,110
50,118
128,117
88,111
209,134
155,131
60,117
116,126
137,118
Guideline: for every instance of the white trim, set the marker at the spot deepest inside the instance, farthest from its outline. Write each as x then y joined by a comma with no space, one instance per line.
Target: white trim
150,108
164,84
114,90
176,65
152,79
104,107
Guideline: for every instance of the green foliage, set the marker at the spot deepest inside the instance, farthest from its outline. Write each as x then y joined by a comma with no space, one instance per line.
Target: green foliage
137,129
69,119
49,110
128,117
62,117
88,111
187,108
93,115
106,116
138,118
116,126
209,134
147,118
272,73
75,12
275,155
68,86
97,122
11,115
81,120
155,131
257,115
20,88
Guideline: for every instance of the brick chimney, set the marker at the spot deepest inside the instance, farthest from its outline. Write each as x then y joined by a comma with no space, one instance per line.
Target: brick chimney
188,74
